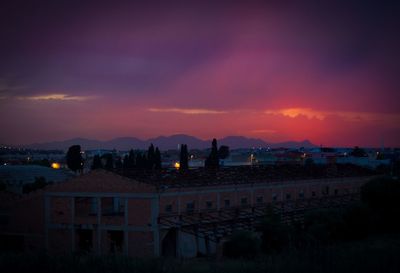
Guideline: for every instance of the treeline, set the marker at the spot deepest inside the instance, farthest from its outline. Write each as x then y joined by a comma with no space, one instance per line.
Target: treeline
150,160
138,160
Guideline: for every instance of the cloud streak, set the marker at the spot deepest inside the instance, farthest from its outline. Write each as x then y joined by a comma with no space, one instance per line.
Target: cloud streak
188,111
346,115
56,97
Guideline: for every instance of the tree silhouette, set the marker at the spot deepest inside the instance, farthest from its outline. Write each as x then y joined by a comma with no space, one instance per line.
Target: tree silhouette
157,161
223,152
358,152
109,165
183,160
213,159
150,157
131,161
125,164
74,158
118,163
97,164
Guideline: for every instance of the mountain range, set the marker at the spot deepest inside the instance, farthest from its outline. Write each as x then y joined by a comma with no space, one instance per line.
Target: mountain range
166,143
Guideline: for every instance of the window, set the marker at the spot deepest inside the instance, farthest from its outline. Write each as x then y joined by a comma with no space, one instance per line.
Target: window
93,206
243,201
259,200
227,203
118,205
336,191
301,194
288,196
274,197
168,208
190,206
313,194
209,205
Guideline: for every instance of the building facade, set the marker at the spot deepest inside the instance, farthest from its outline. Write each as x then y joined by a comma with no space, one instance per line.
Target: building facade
102,212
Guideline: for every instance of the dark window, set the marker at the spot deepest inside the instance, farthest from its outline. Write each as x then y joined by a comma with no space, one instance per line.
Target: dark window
116,239
168,208
227,203
85,239
209,205
259,200
243,201
313,194
274,197
336,191
288,196
190,207
301,194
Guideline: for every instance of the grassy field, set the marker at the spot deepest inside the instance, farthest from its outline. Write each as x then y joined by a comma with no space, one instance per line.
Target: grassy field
378,254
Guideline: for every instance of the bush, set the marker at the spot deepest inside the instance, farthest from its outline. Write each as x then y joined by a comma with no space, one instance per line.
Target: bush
275,235
242,244
381,195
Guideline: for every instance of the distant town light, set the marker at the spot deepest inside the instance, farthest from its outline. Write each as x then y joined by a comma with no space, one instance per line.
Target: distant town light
55,165
177,165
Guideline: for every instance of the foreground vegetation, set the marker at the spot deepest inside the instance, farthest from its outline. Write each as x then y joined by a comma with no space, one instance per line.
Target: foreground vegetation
378,254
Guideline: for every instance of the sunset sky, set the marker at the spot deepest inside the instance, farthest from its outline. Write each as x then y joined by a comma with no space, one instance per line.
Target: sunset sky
325,72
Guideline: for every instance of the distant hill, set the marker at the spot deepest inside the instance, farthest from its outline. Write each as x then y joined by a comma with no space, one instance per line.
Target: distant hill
166,143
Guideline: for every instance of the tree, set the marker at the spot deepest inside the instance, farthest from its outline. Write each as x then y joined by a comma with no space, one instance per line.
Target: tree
97,164
40,183
150,157
131,162
223,152
183,159
109,165
242,244
213,159
118,163
358,152
74,158
157,160
126,164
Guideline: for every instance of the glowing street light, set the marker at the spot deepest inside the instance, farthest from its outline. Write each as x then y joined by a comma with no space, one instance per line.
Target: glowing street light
55,165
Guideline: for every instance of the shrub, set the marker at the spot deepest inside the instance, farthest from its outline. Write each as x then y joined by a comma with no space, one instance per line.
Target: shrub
242,244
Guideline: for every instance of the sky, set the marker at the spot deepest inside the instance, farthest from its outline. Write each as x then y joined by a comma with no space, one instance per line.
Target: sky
326,71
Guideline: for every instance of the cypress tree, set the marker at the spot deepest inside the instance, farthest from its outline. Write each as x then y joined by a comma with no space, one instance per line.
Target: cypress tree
157,159
126,162
150,157
118,163
213,159
109,165
74,158
97,164
131,160
183,160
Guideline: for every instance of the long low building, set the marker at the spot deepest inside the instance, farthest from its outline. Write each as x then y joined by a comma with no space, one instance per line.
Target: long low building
103,212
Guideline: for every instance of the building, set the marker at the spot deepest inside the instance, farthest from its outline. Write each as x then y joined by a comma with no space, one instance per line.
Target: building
102,212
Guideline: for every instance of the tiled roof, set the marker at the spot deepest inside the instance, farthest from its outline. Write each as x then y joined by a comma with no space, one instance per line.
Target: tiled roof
101,181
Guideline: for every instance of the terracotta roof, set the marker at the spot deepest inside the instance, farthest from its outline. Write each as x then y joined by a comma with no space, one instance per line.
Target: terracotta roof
101,181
